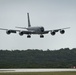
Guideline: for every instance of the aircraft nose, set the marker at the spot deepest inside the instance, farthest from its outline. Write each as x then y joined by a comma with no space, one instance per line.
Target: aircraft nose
42,29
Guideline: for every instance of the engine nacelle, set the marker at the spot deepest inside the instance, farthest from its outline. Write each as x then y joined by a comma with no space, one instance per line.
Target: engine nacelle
8,32
42,29
62,31
21,33
53,33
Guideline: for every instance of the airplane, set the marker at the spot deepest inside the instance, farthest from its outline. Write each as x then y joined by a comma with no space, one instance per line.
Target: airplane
34,30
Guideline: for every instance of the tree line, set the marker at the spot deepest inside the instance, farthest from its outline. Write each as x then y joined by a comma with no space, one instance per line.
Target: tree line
34,58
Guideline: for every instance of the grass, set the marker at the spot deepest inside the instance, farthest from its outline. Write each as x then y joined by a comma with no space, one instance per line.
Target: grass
39,73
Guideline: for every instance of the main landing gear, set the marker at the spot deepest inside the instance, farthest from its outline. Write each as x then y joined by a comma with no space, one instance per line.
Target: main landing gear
41,36
28,36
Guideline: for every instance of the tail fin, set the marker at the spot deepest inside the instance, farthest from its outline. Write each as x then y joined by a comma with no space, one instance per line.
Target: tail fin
29,25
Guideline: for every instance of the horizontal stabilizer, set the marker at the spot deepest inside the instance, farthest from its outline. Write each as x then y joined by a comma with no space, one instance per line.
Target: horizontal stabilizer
21,27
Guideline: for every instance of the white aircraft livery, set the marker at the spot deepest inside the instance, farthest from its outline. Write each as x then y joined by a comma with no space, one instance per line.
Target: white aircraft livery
34,30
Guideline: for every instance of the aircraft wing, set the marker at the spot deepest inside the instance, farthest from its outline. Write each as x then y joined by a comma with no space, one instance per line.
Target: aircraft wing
56,30
21,32
53,32
8,31
3,29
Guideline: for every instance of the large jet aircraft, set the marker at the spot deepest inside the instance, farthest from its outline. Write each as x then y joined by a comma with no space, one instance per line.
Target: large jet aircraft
34,30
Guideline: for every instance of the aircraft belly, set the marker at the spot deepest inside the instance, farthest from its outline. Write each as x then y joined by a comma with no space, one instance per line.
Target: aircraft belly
40,32
29,32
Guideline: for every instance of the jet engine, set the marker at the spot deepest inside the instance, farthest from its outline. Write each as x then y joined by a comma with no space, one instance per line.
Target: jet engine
62,31
53,33
20,33
42,29
10,31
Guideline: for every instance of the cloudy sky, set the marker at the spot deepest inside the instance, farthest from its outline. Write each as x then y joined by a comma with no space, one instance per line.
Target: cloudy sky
52,14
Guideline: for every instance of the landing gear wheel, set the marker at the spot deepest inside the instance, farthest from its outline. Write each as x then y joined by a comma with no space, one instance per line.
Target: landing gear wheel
41,36
28,36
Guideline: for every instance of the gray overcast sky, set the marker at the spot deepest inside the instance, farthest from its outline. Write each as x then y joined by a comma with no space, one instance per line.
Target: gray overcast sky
52,14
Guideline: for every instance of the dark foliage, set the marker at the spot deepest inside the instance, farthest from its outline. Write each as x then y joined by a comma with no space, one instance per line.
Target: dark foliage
63,58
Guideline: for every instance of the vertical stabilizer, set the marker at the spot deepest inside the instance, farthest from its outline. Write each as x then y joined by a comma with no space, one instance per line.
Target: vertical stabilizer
29,25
